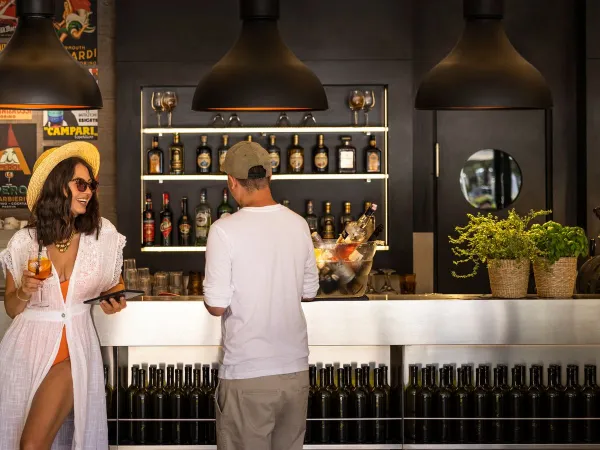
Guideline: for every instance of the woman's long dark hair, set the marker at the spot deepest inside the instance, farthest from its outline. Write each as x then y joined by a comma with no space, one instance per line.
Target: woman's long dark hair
52,217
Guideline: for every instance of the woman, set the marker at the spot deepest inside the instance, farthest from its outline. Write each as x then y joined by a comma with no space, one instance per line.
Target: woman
50,361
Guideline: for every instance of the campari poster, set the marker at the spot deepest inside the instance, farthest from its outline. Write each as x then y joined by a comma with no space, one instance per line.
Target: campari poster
8,18
17,157
76,26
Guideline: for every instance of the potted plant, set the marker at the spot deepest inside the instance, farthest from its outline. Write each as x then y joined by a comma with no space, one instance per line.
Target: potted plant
555,267
504,245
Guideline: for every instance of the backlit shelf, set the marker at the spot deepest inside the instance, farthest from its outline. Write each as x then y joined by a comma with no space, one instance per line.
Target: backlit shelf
380,248
281,177
263,130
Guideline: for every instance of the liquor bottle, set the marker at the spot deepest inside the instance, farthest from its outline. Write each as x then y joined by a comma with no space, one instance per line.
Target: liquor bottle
366,373
359,403
142,407
464,410
148,223
589,400
212,429
371,224
295,156
249,138
197,400
443,406
498,408
553,407
177,156
274,154
166,222
320,157
425,409
346,156
170,386
534,405
155,159
203,156
347,216
377,402
187,384
372,157
312,392
571,400
129,413
388,398
108,397
286,203
328,223
203,219
411,395
348,379
222,152
225,208
516,409
340,410
159,400
331,379
322,410
356,232
206,406
176,401
311,218
184,225
153,381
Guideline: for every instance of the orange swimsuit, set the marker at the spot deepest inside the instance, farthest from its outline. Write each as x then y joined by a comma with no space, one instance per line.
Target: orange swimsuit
63,349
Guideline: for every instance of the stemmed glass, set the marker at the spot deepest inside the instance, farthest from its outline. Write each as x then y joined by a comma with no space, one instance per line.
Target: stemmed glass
283,120
157,104
169,102
218,121
40,266
370,288
387,286
234,121
309,120
356,102
369,105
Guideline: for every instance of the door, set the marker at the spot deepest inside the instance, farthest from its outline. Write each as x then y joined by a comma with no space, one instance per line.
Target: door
487,160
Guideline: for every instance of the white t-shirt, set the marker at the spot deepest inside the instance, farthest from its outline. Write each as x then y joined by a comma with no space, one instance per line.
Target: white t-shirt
260,263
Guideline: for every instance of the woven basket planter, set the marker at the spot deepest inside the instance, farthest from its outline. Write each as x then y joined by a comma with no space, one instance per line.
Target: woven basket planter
555,280
509,278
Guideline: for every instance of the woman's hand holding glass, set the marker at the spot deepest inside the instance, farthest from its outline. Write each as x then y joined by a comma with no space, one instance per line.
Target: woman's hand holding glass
39,268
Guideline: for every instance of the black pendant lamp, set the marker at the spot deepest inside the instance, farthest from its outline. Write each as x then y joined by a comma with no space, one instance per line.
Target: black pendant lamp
259,73
37,72
483,70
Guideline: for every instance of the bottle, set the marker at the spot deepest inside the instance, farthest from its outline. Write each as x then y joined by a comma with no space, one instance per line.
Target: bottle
322,410
589,399
340,410
348,377
203,156
211,413
372,157
328,223
153,381
295,156
311,218
425,409
356,232
206,406
166,222
249,138
366,373
142,406
571,400
286,203
108,397
222,152
129,412
444,407
225,208
187,385
197,400
534,405
185,225
359,409
371,224
177,156
170,386
480,407
155,158
346,156
451,380
320,157
159,400
411,394
312,392
331,379
388,399
516,409
464,410
176,401
274,154
553,407
119,400
203,219
377,402
347,216
498,408
148,223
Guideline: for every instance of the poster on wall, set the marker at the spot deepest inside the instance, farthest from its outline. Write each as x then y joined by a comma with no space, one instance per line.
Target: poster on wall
8,18
76,26
17,157
16,114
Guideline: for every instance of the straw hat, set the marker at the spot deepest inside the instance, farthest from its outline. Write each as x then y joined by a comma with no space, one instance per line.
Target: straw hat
51,158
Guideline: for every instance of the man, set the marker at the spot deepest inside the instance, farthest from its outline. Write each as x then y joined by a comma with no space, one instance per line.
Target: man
260,264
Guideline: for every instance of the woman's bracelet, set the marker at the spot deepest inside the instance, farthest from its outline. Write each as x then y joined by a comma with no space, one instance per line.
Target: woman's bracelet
23,300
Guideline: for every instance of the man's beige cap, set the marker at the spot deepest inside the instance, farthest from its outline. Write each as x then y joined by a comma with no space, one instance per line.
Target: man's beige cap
242,157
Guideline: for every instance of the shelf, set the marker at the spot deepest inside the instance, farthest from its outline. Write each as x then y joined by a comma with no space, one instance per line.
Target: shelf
499,446
380,248
263,130
281,177
306,447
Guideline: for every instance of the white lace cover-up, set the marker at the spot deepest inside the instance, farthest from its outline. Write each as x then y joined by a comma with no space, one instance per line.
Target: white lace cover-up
30,345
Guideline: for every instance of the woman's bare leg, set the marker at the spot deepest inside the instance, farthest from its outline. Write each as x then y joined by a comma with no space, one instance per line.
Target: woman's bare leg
51,405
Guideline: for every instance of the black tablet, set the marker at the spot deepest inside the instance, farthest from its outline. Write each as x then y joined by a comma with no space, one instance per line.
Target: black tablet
127,293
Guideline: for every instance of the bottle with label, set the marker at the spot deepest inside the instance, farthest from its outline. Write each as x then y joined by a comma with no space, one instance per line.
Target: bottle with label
328,223
296,156
225,208
347,216
346,156
372,157
203,219
321,157
311,218
356,232
203,156
148,223
177,156
184,225
155,159
222,152
371,225
275,154
166,222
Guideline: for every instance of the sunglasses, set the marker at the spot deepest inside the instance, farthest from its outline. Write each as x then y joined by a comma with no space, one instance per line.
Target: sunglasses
82,185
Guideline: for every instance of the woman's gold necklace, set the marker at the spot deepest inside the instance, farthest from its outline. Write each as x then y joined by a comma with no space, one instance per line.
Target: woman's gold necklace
64,245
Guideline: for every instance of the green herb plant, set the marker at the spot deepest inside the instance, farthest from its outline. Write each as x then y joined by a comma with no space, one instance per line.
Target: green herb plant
487,237
555,241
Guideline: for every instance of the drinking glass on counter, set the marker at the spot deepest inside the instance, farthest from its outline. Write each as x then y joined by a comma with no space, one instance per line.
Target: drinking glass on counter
145,284
408,283
195,284
161,283
40,266
143,272
128,264
131,279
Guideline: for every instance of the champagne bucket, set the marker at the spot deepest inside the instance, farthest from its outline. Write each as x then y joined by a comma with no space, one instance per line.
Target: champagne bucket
344,268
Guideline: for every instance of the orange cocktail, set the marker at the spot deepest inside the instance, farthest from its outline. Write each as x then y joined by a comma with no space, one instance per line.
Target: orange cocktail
44,265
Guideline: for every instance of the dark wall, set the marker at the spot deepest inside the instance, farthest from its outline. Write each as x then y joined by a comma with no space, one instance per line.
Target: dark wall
593,114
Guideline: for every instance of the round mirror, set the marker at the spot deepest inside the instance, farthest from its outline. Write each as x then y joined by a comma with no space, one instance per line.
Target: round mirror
490,179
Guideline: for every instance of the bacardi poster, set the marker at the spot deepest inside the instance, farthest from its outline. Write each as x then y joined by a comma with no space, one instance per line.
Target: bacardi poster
8,18
76,27
17,157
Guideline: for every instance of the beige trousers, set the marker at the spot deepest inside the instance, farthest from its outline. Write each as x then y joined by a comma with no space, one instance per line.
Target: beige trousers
265,413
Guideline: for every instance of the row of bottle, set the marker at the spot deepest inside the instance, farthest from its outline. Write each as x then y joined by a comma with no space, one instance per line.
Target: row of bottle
153,398
467,413
296,159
